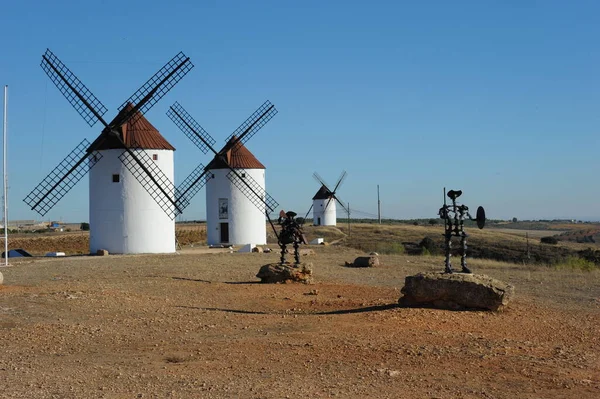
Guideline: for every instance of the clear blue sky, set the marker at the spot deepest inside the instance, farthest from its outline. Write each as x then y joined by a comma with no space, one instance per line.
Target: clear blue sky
498,98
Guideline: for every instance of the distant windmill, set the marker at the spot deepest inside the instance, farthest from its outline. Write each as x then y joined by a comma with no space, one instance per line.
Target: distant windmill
236,200
132,201
323,206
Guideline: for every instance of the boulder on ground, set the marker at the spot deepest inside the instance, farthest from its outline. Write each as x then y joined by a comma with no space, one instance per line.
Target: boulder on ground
102,252
1,279
257,250
286,273
455,291
364,261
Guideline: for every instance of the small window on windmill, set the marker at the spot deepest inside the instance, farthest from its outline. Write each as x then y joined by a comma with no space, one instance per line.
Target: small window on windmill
116,178
155,157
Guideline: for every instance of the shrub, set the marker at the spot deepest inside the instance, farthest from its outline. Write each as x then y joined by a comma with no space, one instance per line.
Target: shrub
428,246
576,263
390,248
433,222
84,226
549,240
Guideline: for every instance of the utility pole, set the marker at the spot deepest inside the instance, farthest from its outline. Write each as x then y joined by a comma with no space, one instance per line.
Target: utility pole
5,179
378,206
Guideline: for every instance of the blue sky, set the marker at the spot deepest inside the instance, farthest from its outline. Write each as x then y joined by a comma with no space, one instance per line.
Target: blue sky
498,98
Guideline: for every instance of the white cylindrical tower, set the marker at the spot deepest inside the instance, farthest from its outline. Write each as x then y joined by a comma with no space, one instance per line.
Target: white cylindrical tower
124,217
232,216
324,208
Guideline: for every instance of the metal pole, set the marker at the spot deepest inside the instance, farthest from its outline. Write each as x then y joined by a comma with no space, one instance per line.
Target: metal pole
5,179
348,219
378,206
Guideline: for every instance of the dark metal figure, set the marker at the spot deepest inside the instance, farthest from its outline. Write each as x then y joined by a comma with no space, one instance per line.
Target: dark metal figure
454,218
291,233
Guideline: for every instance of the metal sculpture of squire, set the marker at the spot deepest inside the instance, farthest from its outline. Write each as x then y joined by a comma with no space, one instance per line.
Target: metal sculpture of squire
454,217
291,233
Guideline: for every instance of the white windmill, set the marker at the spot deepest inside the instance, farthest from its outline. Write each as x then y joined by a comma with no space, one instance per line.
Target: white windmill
132,201
236,200
323,206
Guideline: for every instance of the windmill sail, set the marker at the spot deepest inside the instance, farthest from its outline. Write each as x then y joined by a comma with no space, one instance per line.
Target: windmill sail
73,167
62,178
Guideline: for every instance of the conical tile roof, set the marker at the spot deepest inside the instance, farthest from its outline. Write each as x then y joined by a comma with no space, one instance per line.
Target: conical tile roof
323,193
237,157
137,134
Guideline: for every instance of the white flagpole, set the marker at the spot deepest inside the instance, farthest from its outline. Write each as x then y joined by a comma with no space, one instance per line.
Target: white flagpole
5,179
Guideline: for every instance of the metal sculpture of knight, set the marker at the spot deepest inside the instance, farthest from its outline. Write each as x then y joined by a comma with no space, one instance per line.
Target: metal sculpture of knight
454,217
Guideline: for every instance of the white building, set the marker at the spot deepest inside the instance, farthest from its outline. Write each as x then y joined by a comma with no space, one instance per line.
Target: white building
232,218
324,209
124,217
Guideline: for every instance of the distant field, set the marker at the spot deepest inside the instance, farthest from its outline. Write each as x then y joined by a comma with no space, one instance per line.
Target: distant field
502,244
531,233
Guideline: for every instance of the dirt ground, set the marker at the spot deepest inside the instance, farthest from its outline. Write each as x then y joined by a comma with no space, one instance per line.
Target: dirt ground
199,325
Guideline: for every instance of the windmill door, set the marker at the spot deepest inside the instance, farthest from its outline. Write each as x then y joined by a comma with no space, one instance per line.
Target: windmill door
224,232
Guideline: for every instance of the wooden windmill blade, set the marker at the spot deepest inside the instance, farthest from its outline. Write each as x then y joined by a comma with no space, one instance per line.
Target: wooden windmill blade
309,209
70,170
253,191
196,180
335,189
204,141
340,181
73,167
190,186
80,97
152,179
62,178
147,173
253,124
156,87
321,181
339,201
192,129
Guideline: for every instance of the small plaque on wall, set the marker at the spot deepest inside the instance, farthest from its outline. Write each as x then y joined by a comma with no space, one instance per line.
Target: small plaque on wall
223,208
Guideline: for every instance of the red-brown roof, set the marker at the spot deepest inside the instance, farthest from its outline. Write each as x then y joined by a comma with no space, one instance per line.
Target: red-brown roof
137,134
237,157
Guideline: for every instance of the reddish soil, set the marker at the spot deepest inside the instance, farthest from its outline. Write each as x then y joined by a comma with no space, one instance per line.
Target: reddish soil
200,325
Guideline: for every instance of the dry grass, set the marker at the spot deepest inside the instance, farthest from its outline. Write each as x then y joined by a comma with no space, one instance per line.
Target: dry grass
498,244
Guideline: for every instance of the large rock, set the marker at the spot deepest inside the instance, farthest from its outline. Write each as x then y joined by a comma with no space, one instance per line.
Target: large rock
364,261
455,291
286,273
